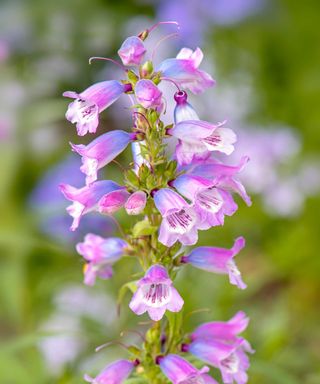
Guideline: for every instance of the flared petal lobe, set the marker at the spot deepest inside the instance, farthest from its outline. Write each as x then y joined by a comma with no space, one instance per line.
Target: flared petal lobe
84,111
184,71
114,373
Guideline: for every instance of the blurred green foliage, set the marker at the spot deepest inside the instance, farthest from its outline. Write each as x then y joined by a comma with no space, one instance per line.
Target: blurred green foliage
49,43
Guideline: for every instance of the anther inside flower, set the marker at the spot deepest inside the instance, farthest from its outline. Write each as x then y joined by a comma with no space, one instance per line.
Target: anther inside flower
156,295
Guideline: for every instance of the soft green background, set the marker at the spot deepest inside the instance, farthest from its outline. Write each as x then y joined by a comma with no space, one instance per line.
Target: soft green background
51,41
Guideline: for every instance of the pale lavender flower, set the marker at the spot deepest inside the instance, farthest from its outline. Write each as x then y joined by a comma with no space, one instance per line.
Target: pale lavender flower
179,219
198,138
132,51
102,151
183,110
114,373
148,94
100,253
156,294
184,71
218,344
210,202
180,371
86,199
84,111
218,260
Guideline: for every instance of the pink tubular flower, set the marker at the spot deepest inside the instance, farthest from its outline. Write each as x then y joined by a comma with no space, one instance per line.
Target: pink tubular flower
100,254
133,203
156,294
84,111
148,94
132,51
198,138
184,70
101,152
225,175
210,202
115,373
218,344
180,371
218,260
86,199
179,219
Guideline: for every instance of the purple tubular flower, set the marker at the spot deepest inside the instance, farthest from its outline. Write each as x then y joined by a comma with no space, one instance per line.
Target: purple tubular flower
198,138
101,152
100,254
115,373
180,371
132,51
218,344
184,70
179,219
183,110
84,111
148,94
218,260
156,294
225,175
86,199
210,203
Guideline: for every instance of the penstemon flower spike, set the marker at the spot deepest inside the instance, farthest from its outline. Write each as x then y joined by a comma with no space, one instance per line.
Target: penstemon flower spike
174,195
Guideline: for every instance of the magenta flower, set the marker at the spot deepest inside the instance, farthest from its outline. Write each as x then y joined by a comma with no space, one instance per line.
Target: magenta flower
114,373
218,260
100,254
180,371
84,111
218,344
102,151
132,51
184,70
183,110
156,294
225,175
198,138
148,94
209,202
86,199
133,203
179,219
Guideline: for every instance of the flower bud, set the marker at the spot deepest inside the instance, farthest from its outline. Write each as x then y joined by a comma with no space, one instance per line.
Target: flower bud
146,69
132,51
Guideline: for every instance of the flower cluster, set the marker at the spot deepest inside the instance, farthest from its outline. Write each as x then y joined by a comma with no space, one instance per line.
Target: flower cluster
176,194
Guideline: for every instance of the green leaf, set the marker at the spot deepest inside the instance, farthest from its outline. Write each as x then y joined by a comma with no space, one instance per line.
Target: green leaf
143,228
131,286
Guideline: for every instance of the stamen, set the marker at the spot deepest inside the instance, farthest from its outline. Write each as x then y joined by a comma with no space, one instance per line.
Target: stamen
163,23
108,59
180,221
171,81
171,35
231,363
210,199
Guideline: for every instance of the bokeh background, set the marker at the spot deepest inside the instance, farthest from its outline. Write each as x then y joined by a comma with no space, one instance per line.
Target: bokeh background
265,57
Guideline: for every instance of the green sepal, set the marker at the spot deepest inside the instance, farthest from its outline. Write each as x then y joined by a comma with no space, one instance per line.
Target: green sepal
143,228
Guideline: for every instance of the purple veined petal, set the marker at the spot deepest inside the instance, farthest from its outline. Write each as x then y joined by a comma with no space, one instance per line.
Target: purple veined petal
222,330
184,70
113,201
85,199
132,51
115,373
84,111
180,371
221,140
148,94
167,237
166,201
190,185
101,152
136,203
